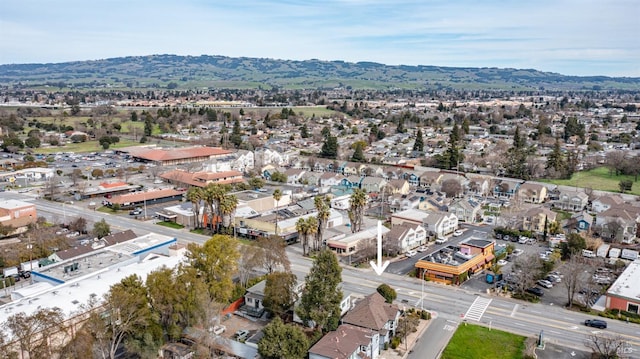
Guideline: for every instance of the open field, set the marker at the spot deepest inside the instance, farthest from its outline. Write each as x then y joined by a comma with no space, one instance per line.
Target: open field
597,179
89,146
477,342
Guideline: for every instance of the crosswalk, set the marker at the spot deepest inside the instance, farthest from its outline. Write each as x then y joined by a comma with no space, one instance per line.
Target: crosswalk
477,308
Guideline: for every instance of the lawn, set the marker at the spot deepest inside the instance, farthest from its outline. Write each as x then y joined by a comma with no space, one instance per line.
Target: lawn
598,179
83,147
473,341
173,225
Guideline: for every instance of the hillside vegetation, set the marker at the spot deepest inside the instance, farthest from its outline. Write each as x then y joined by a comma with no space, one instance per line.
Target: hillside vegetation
180,72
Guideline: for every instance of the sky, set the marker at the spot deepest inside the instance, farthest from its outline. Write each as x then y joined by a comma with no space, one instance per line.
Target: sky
570,37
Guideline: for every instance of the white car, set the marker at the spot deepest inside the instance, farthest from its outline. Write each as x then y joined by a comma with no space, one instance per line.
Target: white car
516,252
410,253
502,262
422,249
545,283
457,233
219,329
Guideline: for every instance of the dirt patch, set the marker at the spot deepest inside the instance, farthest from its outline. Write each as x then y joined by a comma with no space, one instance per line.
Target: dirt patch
236,322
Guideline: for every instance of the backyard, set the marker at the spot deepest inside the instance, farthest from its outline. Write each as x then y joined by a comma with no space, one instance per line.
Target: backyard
473,341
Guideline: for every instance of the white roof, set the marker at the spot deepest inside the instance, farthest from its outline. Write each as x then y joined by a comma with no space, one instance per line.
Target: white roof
71,295
628,283
14,203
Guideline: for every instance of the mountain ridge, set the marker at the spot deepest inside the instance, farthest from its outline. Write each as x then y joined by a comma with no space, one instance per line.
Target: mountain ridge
156,71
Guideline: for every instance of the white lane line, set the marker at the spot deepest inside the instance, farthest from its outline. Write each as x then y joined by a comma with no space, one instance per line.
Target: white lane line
515,309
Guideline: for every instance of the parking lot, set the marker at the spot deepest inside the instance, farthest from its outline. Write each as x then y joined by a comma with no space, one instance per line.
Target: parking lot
557,294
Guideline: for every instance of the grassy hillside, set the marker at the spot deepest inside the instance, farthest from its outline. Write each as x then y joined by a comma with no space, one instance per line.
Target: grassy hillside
171,71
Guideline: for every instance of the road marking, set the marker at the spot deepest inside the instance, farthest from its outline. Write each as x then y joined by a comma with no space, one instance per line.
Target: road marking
554,332
449,328
520,324
477,308
515,309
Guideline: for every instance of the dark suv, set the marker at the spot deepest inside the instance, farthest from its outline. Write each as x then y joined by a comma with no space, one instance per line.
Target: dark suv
596,323
536,291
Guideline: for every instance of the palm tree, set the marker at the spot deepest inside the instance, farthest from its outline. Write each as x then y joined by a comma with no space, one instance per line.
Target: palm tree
357,202
214,194
228,206
305,228
277,195
323,206
195,195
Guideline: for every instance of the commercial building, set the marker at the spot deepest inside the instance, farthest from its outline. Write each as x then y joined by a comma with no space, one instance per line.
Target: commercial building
455,264
624,293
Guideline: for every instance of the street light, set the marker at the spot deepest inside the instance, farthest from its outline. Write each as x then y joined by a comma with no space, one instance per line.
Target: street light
422,290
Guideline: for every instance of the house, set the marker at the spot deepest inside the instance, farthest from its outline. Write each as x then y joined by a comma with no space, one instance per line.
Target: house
403,202
350,244
311,178
466,209
618,224
373,313
347,342
578,223
605,202
399,186
454,265
531,192
429,179
506,188
352,169
535,219
569,200
201,179
373,184
294,175
254,297
176,351
436,224
623,293
351,181
478,185
329,179
405,237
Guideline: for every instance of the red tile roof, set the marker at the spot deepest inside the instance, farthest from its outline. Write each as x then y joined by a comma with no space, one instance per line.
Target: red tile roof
142,196
201,179
154,154
106,185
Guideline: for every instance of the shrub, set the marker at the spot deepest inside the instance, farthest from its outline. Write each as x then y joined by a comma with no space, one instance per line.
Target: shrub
387,292
395,342
425,315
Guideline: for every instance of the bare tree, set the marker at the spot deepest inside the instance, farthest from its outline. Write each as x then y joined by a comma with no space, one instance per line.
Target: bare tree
573,278
451,187
613,230
605,346
527,270
34,331
272,254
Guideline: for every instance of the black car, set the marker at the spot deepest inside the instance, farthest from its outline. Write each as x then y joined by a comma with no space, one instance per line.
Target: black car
596,323
536,291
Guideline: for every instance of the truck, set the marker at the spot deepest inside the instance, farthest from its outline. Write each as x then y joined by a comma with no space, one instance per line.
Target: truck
492,277
614,253
603,250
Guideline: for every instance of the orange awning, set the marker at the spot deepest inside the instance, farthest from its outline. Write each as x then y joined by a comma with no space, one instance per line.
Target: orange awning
489,258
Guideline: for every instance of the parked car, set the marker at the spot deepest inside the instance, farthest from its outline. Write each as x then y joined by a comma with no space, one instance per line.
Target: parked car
536,291
502,262
516,252
457,233
553,278
441,240
596,323
422,249
242,335
545,283
219,329
410,253
135,212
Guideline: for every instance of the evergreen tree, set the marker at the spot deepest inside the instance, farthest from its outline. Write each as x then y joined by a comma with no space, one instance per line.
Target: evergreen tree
400,128
556,160
358,155
330,147
236,134
321,297
418,145
304,131
516,165
148,124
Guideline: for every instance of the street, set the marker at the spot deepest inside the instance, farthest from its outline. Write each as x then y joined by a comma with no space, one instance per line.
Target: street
560,326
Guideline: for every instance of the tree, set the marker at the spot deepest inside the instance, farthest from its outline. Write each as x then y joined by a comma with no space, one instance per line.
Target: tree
306,228
32,142
195,196
516,163
101,228
323,206
271,254
572,281
304,131
213,195
329,147
281,341
78,225
625,185
216,261
575,244
556,162
527,269
451,187
418,145
127,308
358,155
387,292
228,207
357,203
453,155
321,297
606,346
33,331
256,182
277,196
279,292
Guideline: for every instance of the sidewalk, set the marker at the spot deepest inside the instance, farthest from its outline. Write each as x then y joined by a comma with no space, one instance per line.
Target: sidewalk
403,350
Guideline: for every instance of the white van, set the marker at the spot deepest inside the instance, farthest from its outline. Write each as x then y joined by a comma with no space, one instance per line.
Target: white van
587,253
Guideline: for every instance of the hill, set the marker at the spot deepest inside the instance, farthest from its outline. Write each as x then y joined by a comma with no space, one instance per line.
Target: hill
172,71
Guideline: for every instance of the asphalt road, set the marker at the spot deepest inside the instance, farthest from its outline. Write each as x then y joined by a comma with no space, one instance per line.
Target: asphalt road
561,327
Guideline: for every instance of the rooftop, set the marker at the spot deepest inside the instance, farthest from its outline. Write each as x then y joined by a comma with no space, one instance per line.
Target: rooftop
628,283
